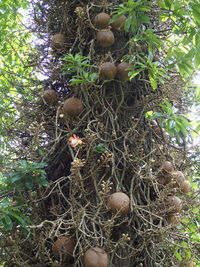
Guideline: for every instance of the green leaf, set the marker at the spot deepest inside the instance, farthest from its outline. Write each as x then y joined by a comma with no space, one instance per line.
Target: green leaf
196,12
153,82
133,74
182,127
19,218
7,222
197,59
168,3
143,18
5,203
178,256
100,148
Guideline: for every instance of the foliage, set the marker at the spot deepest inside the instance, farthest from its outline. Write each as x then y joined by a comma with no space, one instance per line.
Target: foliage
189,227
183,41
27,175
175,124
135,12
80,67
11,216
140,62
14,72
100,148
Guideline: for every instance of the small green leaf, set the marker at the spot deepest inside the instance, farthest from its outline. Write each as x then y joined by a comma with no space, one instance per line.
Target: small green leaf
100,148
7,222
153,82
168,3
178,256
196,12
133,74
197,59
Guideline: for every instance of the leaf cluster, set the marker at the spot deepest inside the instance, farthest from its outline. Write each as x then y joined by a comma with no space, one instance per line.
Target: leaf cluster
27,176
11,216
135,12
79,66
176,125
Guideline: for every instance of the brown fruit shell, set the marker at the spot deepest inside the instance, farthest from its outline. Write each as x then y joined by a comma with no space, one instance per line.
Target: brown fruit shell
122,72
185,187
163,179
178,177
167,166
72,107
101,20
173,203
173,219
108,71
105,38
50,97
58,41
119,203
119,23
95,257
63,248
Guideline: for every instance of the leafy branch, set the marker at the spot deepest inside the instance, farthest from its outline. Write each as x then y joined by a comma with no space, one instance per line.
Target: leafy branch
176,125
79,66
135,12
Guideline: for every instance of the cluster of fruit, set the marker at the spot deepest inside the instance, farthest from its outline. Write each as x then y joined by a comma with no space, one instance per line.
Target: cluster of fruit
175,179
63,248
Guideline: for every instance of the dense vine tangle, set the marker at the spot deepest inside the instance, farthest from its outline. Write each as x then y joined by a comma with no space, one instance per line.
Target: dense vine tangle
80,178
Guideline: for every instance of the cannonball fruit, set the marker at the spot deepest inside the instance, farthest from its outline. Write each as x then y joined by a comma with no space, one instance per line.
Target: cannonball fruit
72,107
163,179
58,41
119,203
50,97
173,203
119,23
167,166
95,257
178,177
185,187
105,38
122,72
173,219
63,248
101,20
108,71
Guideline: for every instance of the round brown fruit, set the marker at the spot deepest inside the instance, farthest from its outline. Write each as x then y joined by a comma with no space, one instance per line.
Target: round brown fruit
174,204
185,187
50,97
95,257
58,41
173,219
178,177
119,203
122,72
164,179
167,166
63,248
101,20
72,106
105,38
108,71
119,23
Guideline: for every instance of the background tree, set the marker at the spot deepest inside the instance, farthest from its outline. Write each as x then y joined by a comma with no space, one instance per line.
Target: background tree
96,108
